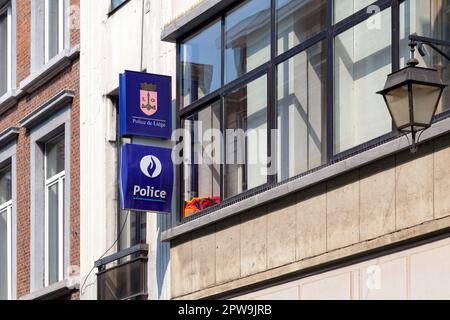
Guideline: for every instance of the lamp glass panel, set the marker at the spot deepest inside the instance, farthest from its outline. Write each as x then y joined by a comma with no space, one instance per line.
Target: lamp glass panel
398,103
425,101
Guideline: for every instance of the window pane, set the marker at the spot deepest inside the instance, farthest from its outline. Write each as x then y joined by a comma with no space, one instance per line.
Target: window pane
55,156
202,170
201,64
5,185
53,222
361,68
428,18
298,20
302,112
3,53
116,3
247,38
53,26
345,8
134,229
3,255
246,137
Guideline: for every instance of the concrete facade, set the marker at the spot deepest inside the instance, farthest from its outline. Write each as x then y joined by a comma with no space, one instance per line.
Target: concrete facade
393,200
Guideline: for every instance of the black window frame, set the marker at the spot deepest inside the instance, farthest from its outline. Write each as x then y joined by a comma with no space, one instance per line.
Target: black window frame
328,35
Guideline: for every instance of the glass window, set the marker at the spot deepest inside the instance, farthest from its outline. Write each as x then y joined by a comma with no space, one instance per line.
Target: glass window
302,112
345,8
5,50
201,171
361,67
54,209
246,137
54,28
247,38
5,186
298,20
201,64
55,156
428,18
5,233
116,3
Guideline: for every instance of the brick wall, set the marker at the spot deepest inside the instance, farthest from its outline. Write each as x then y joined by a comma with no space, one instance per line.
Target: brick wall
67,79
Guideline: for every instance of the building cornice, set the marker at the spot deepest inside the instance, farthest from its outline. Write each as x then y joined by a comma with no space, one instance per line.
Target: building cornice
49,108
8,135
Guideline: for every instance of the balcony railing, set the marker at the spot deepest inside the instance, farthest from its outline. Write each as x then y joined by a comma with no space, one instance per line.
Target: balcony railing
123,276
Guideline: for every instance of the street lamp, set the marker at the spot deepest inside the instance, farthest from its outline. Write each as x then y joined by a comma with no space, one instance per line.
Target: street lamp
412,95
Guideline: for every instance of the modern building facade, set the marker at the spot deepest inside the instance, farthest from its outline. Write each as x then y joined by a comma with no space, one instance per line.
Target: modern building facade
341,209
305,189
39,149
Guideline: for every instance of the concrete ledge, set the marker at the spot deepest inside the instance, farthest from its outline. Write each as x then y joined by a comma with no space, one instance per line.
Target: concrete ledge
363,251
55,291
364,158
9,100
51,69
194,18
47,109
8,135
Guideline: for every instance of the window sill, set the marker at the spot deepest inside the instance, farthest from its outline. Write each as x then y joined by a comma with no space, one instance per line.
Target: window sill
354,162
49,70
55,291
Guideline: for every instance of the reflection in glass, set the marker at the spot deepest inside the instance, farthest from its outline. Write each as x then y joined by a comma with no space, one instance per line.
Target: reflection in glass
55,156
246,154
345,8
361,67
247,38
202,169
302,112
299,20
53,232
201,64
3,255
53,27
3,53
5,185
428,18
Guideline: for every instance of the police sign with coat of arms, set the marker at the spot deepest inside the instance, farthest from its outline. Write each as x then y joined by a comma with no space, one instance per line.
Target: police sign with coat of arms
145,103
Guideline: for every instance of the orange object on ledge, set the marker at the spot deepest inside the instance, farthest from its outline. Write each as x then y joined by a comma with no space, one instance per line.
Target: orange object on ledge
197,205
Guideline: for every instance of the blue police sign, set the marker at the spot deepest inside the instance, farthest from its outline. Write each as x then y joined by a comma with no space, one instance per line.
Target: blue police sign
146,178
145,103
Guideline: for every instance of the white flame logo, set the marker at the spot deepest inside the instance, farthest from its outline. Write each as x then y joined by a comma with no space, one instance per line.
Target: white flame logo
151,167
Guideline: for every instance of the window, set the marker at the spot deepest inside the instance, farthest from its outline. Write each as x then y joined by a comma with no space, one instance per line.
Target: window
5,234
247,38
116,3
200,58
54,210
429,18
5,49
201,180
246,137
360,69
345,8
301,113
308,70
54,25
299,21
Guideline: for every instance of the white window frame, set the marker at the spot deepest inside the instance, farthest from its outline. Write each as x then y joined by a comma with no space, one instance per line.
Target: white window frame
8,10
7,207
47,28
59,180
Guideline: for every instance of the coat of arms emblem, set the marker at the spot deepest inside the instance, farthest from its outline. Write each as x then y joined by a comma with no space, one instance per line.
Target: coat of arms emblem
149,99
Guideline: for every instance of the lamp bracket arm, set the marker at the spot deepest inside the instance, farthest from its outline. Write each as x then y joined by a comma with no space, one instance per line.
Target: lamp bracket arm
432,43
